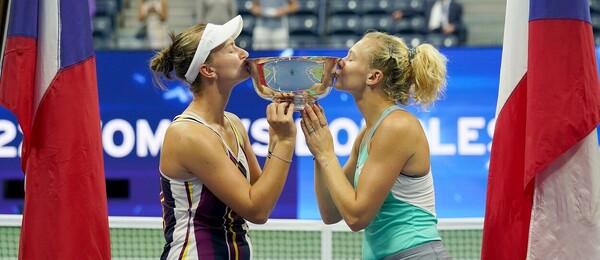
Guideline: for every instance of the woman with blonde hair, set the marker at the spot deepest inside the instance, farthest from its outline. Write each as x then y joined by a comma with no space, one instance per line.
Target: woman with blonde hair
386,186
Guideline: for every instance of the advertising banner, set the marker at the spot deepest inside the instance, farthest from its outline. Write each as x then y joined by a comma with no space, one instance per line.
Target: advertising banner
135,115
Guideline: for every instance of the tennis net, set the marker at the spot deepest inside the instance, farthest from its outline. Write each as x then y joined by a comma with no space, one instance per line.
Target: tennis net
141,238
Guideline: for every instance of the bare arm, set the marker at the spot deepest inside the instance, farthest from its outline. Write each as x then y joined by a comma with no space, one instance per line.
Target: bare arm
329,212
291,8
254,168
255,10
142,13
163,10
202,155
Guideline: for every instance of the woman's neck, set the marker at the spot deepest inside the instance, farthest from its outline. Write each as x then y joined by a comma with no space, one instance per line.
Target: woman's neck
371,107
210,105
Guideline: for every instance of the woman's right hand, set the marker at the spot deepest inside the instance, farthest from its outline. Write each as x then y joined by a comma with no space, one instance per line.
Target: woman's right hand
316,131
280,116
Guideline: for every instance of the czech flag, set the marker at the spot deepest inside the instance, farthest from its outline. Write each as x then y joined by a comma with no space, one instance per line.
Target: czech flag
48,80
543,194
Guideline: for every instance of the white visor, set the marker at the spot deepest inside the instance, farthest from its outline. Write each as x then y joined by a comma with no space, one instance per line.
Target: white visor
212,36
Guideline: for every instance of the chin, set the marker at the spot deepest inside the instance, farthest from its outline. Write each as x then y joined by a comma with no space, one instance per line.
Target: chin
245,75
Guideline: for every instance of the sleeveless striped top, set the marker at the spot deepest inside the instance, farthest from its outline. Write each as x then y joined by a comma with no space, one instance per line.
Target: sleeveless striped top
407,216
196,224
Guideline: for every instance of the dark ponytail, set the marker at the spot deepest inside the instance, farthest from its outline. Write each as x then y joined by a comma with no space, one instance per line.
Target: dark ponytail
174,61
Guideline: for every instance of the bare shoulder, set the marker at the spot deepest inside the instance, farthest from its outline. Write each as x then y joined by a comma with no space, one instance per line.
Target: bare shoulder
185,143
399,135
189,135
233,117
237,121
401,123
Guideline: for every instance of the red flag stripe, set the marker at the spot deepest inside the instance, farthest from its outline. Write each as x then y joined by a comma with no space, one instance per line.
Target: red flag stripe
65,212
65,192
508,205
19,70
563,104
540,122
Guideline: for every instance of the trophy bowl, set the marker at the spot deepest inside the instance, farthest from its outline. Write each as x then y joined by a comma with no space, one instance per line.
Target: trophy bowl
309,78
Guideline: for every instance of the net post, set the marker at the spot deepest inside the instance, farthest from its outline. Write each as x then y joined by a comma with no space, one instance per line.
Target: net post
326,243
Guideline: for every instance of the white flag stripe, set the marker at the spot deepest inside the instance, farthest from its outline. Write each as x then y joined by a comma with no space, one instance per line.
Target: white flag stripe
566,205
48,60
514,52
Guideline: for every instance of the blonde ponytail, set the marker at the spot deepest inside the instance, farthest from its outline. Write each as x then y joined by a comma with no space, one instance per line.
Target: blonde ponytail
412,76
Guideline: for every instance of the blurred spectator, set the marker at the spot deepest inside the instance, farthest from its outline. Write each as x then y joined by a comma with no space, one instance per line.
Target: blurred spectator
271,29
445,16
154,14
215,11
441,16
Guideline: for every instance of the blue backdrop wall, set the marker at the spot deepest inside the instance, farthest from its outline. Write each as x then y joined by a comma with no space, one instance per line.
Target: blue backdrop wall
135,115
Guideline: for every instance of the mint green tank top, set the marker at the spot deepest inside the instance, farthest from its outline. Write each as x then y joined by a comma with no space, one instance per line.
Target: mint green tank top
406,218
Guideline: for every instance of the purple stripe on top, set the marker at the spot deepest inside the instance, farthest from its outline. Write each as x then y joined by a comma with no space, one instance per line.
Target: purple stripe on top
23,18
75,33
559,9
205,207
168,206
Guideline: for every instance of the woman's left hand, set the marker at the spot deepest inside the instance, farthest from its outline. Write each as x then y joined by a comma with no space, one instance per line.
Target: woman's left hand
316,131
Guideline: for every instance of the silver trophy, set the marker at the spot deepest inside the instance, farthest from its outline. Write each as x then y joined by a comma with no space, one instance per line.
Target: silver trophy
309,78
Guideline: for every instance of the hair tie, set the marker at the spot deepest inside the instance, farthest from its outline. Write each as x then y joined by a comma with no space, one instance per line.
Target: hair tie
390,51
412,52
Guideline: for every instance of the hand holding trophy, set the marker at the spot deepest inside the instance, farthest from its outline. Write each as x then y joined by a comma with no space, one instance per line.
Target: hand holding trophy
308,78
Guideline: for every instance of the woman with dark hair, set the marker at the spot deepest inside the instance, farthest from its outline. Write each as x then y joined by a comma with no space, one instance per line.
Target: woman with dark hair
211,182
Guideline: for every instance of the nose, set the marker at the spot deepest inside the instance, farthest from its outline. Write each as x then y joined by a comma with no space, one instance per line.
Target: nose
341,63
243,53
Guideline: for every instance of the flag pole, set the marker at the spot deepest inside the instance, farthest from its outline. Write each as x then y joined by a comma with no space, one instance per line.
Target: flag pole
4,14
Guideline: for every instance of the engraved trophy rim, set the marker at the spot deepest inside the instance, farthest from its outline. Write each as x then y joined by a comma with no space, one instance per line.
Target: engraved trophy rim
309,78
